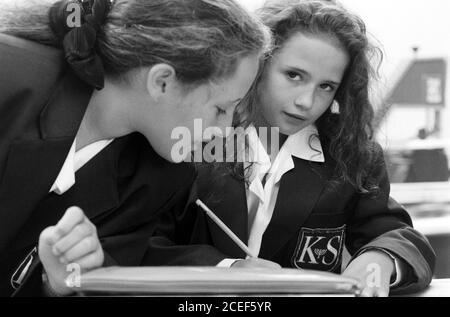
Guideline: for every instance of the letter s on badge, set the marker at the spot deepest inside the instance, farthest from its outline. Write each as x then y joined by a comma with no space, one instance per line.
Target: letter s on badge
319,249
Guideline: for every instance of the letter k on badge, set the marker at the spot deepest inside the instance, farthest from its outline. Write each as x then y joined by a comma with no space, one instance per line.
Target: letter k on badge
319,249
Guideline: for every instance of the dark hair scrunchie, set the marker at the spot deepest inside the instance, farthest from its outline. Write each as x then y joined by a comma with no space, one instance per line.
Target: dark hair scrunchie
79,42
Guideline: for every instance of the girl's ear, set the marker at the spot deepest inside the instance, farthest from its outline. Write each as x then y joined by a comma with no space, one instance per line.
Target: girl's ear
160,79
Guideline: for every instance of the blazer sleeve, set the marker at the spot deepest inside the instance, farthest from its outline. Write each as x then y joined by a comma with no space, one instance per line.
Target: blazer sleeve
182,239
124,247
380,222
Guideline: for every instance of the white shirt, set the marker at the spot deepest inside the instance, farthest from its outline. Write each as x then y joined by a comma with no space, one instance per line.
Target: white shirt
75,161
261,199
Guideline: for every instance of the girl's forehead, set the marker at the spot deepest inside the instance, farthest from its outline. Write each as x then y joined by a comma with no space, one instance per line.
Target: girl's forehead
322,52
310,42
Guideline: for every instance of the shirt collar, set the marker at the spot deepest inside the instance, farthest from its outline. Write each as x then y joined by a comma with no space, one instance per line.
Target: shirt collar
304,145
76,160
66,177
257,153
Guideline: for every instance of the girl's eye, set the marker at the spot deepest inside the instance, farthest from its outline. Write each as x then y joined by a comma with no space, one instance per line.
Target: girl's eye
294,76
327,87
220,111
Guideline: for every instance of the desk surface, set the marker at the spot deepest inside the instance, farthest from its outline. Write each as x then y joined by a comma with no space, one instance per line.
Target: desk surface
214,281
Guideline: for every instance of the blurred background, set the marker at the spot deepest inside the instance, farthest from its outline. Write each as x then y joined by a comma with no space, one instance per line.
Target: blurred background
412,107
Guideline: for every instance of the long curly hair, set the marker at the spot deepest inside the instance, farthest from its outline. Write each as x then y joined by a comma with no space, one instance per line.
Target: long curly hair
347,134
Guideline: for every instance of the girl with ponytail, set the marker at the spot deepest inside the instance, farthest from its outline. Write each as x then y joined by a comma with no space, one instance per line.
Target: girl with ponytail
90,95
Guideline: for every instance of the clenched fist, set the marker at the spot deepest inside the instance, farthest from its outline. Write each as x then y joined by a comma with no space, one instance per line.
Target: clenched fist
73,240
361,267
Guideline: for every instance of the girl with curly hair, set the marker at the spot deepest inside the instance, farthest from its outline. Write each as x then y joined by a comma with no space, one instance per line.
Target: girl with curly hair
326,186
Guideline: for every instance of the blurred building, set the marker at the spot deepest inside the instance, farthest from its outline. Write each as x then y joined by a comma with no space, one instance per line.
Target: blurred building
413,118
413,124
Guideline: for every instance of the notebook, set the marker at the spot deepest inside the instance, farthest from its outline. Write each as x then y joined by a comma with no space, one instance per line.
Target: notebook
214,281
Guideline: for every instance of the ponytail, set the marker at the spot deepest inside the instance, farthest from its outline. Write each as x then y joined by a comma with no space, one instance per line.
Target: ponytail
203,40
79,42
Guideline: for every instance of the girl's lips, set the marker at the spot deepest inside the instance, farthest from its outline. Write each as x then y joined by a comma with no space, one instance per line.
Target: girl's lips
295,116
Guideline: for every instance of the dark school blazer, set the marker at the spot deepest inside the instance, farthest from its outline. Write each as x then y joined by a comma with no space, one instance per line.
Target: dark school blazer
121,190
312,223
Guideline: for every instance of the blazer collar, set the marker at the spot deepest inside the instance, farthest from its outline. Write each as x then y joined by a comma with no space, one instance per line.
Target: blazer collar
300,189
94,195
33,165
62,116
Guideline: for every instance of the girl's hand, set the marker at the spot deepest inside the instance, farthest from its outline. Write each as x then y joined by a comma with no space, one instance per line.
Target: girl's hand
73,240
256,263
374,270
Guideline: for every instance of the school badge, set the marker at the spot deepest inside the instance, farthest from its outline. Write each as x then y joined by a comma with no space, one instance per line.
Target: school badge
319,249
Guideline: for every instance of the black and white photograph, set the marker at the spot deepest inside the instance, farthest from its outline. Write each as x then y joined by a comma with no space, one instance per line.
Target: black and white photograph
244,150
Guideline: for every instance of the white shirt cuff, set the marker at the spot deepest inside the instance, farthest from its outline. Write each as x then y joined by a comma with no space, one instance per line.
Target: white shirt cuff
397,271
227,263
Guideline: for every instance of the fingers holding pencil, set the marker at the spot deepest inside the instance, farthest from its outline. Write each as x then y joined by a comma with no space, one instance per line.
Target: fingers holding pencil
225,229
253,261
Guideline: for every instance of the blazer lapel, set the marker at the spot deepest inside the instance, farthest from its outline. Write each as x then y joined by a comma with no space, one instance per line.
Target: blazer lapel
300,189
34,164
96,189
95,192
31,168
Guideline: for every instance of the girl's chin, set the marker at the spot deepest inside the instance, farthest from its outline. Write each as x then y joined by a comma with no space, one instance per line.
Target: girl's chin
290,130
284,129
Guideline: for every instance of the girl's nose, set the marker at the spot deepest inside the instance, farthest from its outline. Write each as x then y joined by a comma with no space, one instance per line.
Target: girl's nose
305,98
222,129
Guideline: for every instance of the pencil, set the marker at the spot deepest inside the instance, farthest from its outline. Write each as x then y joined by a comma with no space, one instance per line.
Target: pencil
225,229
